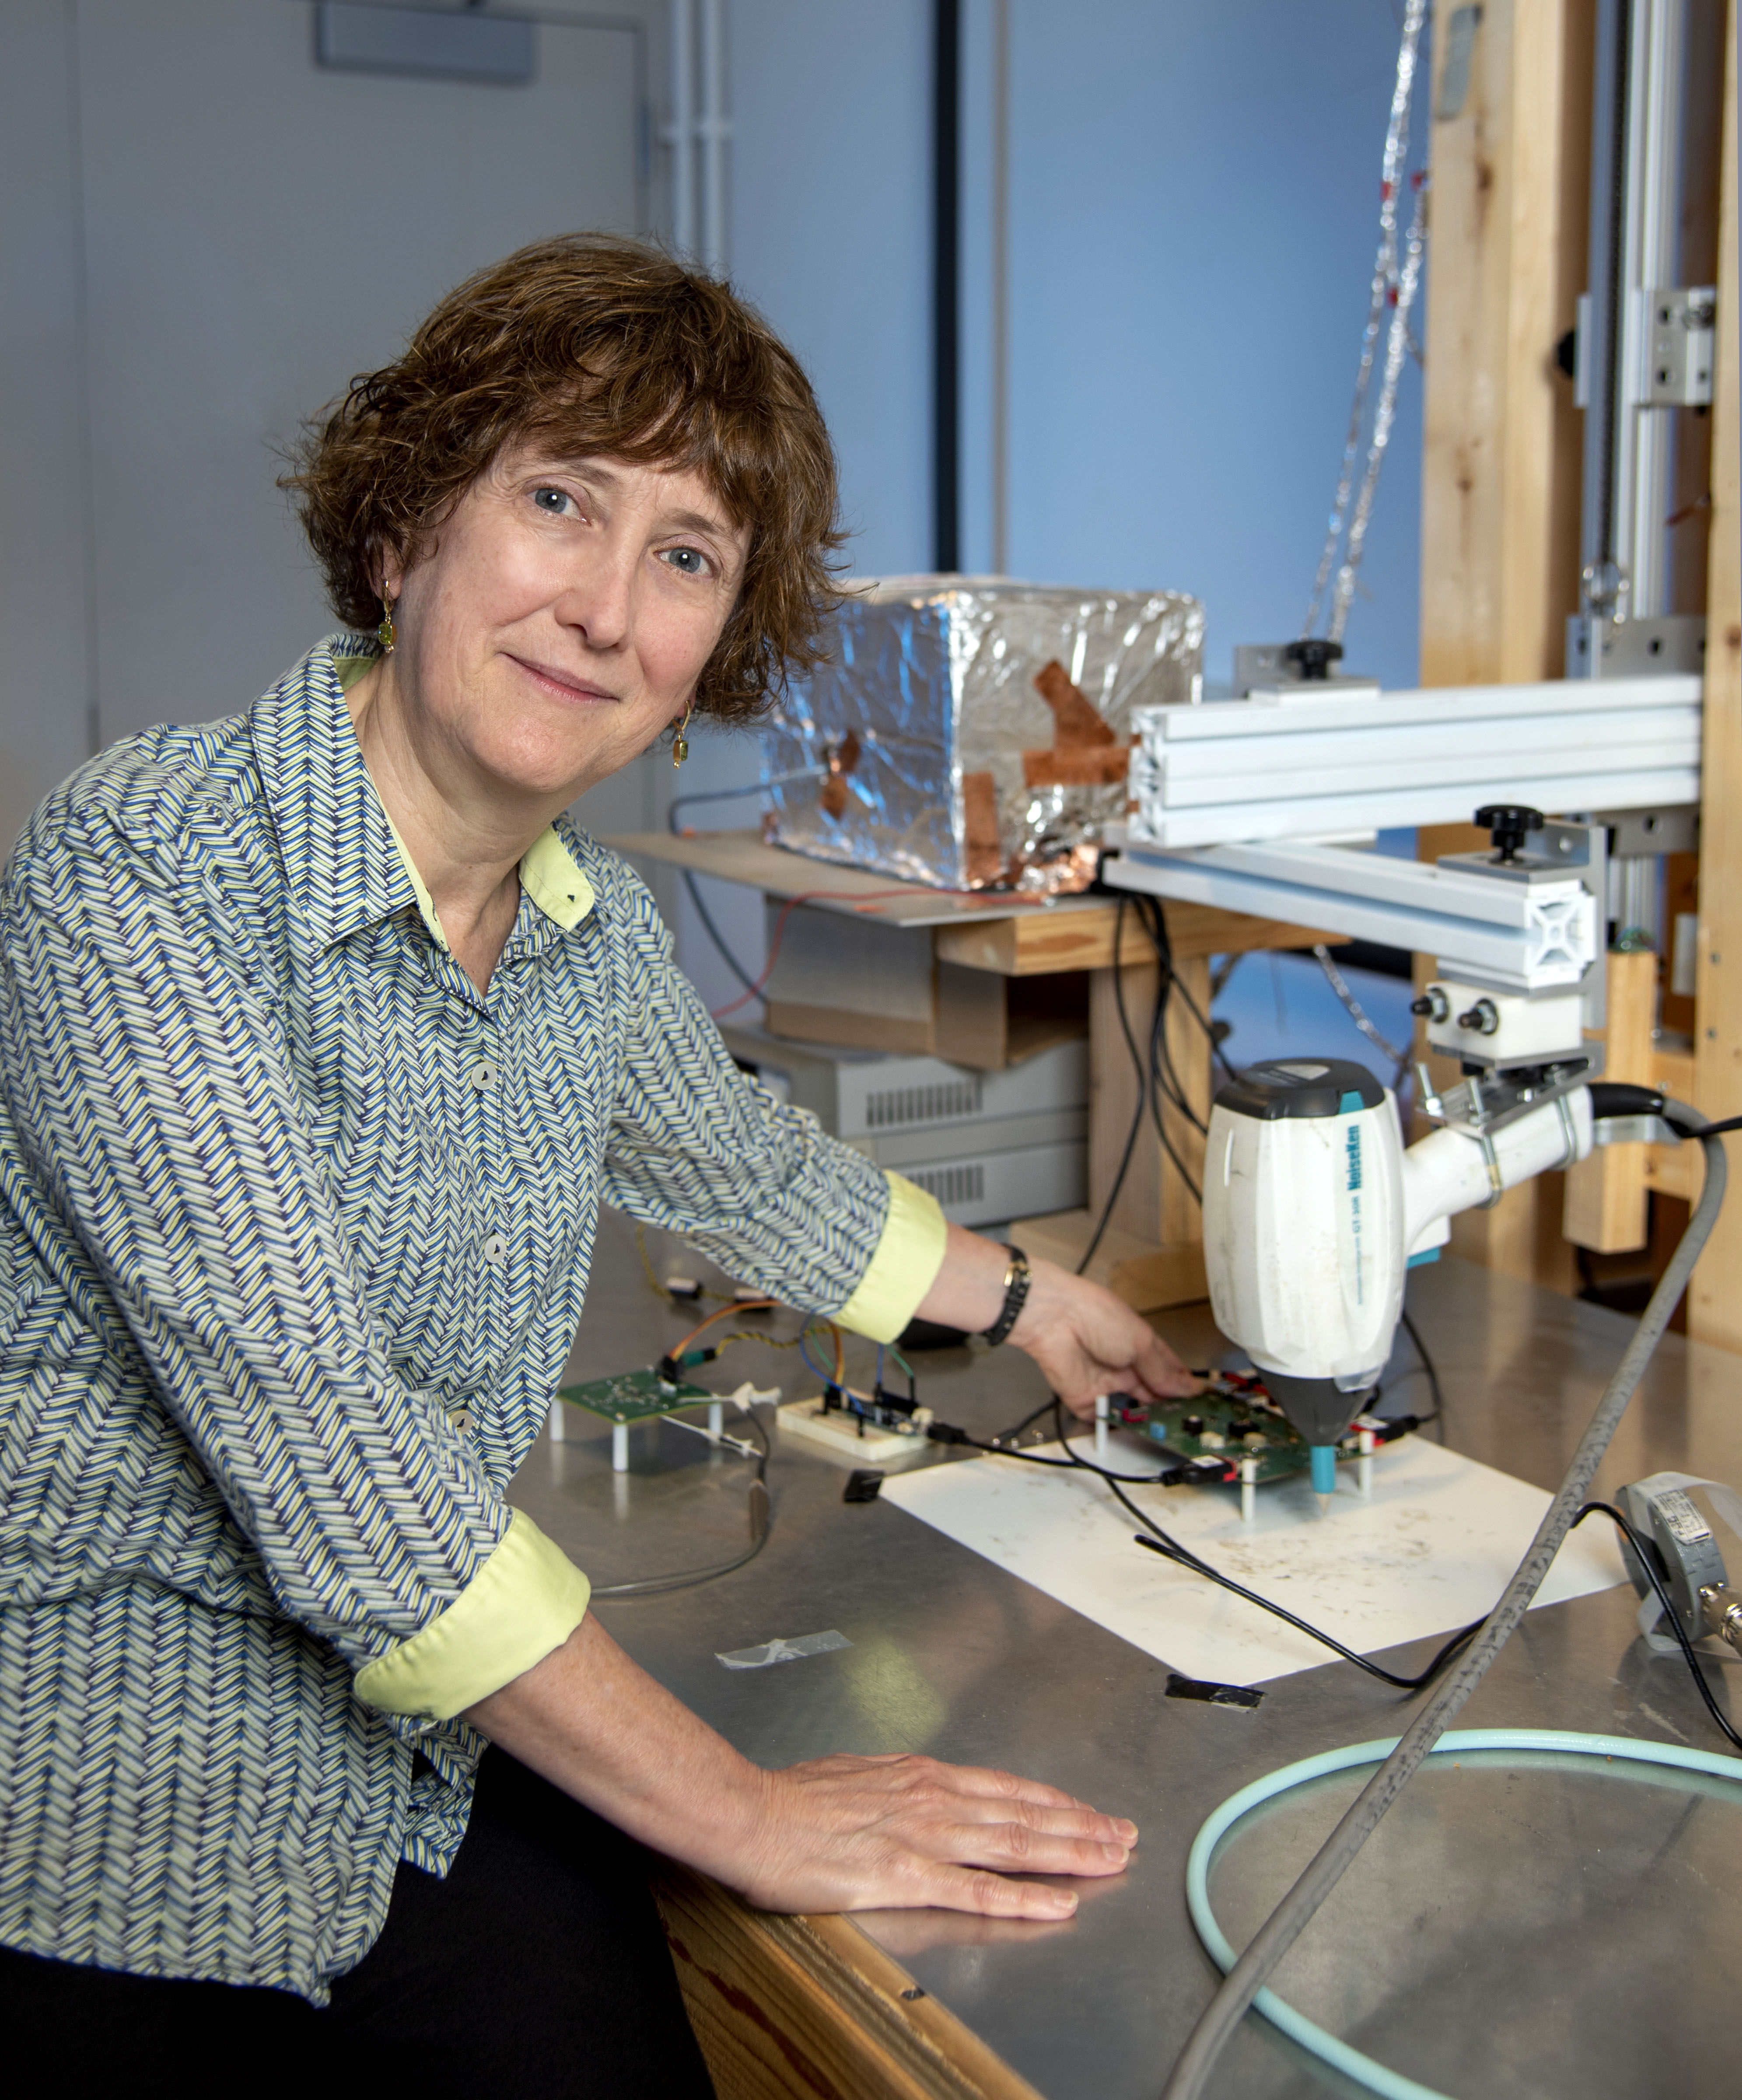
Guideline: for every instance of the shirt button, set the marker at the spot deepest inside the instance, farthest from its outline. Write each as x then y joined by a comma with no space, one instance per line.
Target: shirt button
483,1075
495,1248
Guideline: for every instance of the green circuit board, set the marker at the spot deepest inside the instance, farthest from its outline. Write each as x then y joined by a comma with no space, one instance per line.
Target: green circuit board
634,1395
1236,1419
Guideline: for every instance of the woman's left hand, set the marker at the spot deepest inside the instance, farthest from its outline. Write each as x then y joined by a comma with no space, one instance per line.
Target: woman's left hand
1086,1341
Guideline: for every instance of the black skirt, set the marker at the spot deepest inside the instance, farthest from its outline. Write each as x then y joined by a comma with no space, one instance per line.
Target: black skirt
538,1965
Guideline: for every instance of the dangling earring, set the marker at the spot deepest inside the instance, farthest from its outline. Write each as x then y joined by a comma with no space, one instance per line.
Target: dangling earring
681,743
384,633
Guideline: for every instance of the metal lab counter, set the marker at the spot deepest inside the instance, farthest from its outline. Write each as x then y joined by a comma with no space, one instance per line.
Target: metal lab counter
1507,1932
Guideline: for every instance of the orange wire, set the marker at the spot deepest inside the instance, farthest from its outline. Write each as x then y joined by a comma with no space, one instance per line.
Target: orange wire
736,1305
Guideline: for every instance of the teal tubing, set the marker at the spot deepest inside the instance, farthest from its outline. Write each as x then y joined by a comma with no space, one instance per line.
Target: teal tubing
1323,1468
1338,2054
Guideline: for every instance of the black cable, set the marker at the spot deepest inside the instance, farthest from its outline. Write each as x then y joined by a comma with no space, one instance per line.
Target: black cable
1009,1435
732,794
1068,1465
1164,1079
1147,1080
1162,1072
1160,1128
1427,1366
1161,1057
1151,1082
1454,1647
727,794
1170,1547
1157,926
714,934
1645,1550
1130,1136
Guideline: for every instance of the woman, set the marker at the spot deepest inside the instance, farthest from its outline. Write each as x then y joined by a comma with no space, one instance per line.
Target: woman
324,1033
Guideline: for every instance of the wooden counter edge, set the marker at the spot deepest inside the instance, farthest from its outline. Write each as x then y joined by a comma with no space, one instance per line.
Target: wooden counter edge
812,2008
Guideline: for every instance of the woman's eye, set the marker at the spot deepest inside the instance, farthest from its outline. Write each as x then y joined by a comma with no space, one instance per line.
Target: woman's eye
553,502
687,561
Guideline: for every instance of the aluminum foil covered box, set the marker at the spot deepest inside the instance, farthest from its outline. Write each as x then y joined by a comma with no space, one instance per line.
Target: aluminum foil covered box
975,733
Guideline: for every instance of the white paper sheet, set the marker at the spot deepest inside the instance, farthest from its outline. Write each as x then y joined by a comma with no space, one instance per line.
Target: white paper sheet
1431,1551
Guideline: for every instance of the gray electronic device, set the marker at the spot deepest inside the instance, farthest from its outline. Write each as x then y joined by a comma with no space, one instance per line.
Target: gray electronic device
989,1145
1688,1557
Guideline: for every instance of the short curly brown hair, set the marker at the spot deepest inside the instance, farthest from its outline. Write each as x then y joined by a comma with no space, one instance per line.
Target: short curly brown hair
596,345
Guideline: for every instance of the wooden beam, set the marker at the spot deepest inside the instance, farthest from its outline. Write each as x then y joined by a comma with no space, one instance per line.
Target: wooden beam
1040,941
1715,1300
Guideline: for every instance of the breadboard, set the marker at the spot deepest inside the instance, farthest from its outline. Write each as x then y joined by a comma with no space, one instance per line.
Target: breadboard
835,1435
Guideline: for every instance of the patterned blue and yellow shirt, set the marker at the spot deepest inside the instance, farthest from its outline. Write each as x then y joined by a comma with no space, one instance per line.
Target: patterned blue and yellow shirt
297,1227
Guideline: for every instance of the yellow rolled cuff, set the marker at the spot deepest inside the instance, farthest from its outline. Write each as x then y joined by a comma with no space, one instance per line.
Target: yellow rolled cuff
905,1267
524,1603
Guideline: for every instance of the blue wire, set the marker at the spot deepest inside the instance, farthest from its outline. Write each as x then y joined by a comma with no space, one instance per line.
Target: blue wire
826,1377
1625,1750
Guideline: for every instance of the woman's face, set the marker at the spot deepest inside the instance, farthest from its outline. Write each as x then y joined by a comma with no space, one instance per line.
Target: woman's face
560,619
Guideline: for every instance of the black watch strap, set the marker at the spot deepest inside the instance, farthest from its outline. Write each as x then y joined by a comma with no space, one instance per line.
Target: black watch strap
1017,1278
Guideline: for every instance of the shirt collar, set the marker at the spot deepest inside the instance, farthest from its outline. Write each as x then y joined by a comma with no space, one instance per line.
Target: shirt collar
346,865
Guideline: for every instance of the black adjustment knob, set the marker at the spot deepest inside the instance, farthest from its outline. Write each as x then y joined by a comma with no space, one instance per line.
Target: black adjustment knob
1508,825
1314,655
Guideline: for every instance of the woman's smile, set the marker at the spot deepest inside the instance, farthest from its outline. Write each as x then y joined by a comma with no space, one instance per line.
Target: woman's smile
561,684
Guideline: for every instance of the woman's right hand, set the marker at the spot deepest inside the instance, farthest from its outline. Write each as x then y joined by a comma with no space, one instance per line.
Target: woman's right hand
862,1833
837,1833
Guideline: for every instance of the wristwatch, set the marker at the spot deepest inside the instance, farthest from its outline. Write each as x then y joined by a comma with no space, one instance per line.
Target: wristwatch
1017,1278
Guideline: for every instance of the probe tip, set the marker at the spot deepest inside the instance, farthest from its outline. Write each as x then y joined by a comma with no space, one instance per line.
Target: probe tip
1324,1503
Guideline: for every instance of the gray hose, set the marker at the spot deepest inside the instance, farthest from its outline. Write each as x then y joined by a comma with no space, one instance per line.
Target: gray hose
1291,1917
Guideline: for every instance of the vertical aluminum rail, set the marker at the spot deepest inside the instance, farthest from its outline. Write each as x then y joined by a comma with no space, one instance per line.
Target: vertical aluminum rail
715,130
1636,152
1651,263
680,134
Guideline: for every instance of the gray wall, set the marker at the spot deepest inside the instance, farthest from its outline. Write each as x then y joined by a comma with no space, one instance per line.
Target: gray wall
203,237
222,235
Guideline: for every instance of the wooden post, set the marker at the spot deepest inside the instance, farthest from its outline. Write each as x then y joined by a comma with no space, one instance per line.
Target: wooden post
1505,263
1606,1209
1502,439
1714,1301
